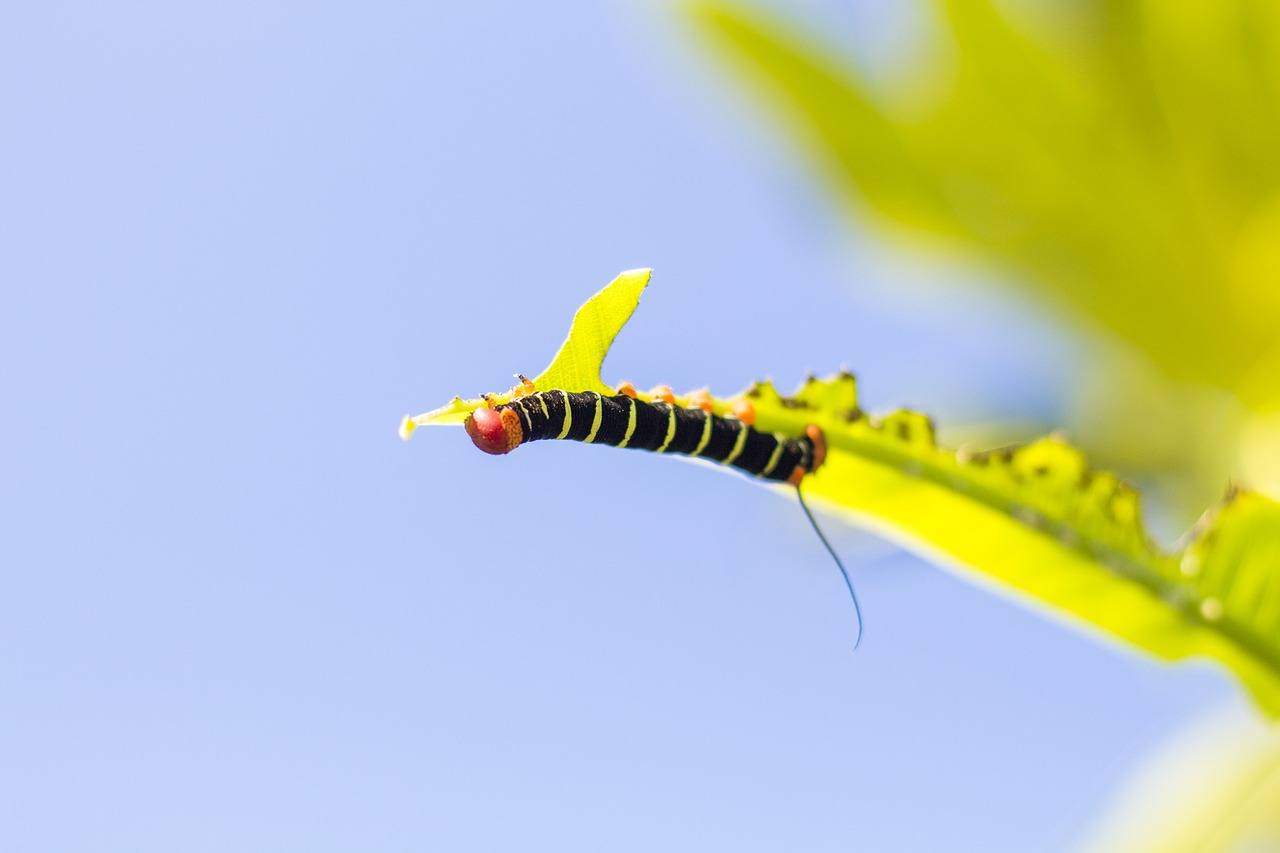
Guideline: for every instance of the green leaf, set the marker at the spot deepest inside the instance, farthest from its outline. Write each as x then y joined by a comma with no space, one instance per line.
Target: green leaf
576,365
1035,520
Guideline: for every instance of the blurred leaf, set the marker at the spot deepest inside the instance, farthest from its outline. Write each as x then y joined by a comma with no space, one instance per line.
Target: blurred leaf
1213,789
1034,518
1126,166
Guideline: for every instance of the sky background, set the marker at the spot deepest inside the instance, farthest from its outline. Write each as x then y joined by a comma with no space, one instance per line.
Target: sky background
241,240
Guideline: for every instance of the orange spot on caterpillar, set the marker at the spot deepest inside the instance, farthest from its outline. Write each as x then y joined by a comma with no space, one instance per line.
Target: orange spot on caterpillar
797,474
745,412
628,389
819,445
495,431
700,400
663,393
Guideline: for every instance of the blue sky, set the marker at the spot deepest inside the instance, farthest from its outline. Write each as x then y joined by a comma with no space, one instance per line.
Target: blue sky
236,612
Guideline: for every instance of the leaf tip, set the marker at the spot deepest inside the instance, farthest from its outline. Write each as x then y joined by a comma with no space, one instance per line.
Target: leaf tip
407,426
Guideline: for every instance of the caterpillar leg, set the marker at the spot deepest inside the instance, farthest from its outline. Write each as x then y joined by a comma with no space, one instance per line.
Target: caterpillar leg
525,388
701,399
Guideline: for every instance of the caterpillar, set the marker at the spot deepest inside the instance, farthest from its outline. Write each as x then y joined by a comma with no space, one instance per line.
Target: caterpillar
661,426
623,420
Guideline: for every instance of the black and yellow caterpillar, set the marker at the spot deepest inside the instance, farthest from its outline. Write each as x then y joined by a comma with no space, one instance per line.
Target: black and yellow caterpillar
661,426
622,420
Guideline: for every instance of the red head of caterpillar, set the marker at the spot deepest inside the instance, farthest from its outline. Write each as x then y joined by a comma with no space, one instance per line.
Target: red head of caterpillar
495,431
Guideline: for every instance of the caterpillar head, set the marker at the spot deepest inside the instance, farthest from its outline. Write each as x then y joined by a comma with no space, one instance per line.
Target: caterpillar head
495,431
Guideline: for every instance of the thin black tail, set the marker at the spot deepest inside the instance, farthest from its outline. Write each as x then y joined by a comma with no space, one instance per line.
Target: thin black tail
832,551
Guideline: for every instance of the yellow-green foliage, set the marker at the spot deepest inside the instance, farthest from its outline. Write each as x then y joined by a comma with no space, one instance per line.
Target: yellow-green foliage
1036,519
1119,156
1126,161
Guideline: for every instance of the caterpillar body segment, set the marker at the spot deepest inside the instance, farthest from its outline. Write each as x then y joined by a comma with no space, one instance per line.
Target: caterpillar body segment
622,420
